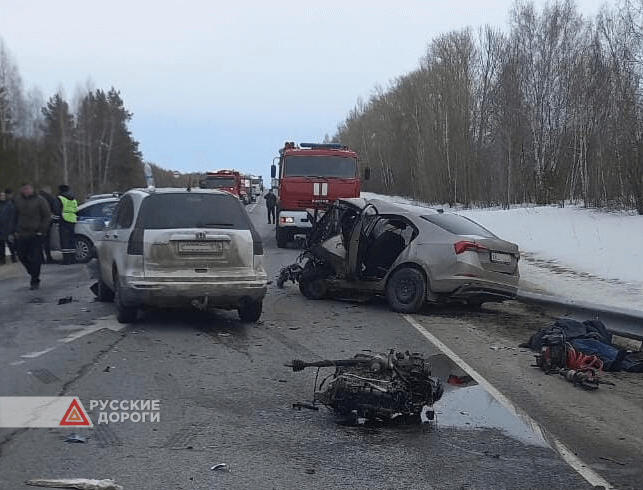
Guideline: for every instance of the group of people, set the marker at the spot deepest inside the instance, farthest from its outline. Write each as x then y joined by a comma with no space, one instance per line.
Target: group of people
25,227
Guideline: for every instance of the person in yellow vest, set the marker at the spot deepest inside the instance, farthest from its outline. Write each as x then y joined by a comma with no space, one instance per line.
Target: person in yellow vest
68,209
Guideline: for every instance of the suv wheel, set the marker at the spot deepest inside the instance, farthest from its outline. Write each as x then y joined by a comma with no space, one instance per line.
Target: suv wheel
250,311
405,290
124,314
103,293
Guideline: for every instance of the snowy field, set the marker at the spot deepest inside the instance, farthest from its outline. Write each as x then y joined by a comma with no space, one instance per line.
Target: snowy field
580,255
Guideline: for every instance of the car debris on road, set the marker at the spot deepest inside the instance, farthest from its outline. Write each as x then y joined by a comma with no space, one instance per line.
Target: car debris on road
381,388
77,483
580,352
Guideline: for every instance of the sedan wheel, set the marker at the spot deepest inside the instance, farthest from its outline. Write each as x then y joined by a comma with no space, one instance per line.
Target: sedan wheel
406,290
84,250
313,287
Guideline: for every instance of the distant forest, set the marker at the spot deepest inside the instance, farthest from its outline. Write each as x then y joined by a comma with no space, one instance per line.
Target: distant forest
547,111
550,112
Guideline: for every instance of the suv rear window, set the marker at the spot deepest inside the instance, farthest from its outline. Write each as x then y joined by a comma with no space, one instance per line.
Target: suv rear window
192,210
458,225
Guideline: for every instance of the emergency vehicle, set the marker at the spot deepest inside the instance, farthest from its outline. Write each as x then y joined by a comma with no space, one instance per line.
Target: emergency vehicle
307,179
225,180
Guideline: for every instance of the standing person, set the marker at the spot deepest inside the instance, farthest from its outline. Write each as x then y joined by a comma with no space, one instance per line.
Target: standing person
68,209
11,243
54,205
271,204
6,221
31,221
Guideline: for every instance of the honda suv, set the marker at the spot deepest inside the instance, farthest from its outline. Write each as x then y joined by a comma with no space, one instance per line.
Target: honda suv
176,247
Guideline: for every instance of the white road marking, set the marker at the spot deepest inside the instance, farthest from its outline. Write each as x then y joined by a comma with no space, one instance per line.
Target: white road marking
568,456
108,322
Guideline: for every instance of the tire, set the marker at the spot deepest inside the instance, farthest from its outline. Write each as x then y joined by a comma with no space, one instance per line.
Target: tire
312,283
103,293
406,290
84,249
282,238
124,314
313,287
474,305
250,312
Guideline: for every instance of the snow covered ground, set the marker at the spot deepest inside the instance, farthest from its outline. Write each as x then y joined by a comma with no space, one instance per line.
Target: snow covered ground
581,256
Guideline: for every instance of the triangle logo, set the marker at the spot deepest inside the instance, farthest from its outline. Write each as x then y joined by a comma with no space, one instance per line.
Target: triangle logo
75,415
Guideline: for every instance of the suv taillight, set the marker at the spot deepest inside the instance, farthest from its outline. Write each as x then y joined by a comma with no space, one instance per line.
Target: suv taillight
464,245
135,242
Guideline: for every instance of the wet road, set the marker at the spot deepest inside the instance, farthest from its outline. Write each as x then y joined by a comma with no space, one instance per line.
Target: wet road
226,396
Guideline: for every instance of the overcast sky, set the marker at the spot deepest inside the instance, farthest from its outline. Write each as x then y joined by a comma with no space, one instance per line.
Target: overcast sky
215,86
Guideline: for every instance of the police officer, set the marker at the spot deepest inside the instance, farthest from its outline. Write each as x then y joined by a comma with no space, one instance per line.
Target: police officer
68,209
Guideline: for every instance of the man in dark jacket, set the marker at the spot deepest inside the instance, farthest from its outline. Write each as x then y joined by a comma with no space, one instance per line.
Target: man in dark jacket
31,222
271,204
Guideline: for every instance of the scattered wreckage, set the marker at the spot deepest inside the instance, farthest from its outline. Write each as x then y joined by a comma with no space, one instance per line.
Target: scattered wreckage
580,352
382,388
363,247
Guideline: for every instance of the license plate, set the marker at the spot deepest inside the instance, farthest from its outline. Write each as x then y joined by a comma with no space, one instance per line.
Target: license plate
210,247
500,257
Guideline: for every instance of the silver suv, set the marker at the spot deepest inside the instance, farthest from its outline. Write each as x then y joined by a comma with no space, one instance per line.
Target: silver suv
181,248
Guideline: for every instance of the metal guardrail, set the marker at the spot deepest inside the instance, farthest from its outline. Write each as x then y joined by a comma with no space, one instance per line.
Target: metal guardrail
620,321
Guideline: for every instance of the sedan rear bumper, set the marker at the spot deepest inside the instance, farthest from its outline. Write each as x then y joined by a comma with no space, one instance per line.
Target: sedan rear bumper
483,293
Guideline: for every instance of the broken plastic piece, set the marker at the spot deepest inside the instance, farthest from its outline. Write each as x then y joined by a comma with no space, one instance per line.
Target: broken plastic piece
78,483
75,437
300,405
220,467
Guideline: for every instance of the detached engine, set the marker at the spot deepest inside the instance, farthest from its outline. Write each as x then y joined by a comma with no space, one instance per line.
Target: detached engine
378,388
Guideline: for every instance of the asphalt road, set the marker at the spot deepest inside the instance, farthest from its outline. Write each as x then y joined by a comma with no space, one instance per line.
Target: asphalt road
225,395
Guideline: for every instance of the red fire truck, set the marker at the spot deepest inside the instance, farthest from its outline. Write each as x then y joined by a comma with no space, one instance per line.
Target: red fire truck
225,180
307,178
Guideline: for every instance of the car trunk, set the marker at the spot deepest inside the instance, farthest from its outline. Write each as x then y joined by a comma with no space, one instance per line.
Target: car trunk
197,254
498,255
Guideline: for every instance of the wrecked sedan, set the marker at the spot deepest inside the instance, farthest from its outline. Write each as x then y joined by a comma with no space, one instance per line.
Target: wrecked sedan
410,255
174,247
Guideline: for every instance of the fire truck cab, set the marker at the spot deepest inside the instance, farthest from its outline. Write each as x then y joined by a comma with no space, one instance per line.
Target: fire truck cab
225,180
308,178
